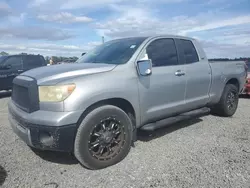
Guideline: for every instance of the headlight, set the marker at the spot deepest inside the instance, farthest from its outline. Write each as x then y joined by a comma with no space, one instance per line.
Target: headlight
55,93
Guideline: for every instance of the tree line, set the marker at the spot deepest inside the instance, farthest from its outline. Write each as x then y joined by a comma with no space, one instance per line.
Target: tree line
247,59
58,59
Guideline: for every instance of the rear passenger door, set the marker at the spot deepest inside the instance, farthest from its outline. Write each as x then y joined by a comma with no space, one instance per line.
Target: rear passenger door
31,62
197,73
161,93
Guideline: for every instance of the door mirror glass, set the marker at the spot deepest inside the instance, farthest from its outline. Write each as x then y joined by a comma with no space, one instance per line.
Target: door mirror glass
144,67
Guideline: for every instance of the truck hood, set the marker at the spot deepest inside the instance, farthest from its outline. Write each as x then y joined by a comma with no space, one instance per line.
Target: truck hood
62,71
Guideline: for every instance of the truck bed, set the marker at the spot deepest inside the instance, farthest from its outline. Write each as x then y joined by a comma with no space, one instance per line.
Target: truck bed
223,71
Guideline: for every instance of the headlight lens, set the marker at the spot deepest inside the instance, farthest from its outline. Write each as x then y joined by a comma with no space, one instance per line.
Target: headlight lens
55,93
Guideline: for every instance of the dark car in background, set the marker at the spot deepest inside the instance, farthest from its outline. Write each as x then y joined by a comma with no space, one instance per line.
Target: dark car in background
13,65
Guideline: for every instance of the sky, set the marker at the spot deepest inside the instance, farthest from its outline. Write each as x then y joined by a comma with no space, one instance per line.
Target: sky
68,28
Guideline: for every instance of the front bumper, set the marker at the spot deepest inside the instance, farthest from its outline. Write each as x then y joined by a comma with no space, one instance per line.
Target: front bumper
45,130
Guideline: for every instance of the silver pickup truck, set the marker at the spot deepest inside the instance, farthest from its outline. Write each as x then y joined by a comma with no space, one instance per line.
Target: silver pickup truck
94,107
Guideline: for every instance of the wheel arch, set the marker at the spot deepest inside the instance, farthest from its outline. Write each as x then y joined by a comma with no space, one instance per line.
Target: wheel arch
235,82
121,103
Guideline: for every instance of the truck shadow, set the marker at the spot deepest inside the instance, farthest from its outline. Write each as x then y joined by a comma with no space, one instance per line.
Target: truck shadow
3,175
56,157
5,94
147,136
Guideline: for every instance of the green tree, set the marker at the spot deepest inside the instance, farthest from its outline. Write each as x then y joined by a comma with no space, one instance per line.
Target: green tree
4,53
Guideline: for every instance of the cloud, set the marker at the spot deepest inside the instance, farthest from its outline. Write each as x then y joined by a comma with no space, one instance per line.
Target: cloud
5,10
213,2
139,21
217,50
93,43
228,35
76,4
10,16
16,20
93,4
142,21
34,33
38,2
226,29
73,4
221,23
64,17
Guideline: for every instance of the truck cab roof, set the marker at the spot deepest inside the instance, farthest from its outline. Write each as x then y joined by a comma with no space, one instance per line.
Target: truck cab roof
159,36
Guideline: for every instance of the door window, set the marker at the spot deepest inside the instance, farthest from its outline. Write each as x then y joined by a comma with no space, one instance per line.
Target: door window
190,52
32,61
162,52
14,62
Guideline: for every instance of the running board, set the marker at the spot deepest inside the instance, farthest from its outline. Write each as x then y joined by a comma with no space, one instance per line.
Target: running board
171,120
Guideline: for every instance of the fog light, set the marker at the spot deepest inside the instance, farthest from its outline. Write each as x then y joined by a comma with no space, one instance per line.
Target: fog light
46,138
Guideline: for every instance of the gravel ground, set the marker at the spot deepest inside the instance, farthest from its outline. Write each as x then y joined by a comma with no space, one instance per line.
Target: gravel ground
206,152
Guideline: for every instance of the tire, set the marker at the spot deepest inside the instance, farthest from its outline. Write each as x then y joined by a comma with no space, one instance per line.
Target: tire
223,108
93,142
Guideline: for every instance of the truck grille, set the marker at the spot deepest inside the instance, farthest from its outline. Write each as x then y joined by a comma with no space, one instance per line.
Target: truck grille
25,94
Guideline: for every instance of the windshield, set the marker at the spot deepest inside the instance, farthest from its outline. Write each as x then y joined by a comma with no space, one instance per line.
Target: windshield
2,58
113,52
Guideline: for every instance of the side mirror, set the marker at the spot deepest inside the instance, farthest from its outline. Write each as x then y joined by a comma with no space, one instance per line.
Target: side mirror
144,67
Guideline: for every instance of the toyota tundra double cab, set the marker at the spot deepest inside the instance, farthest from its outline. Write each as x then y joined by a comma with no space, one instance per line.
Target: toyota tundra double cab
93,108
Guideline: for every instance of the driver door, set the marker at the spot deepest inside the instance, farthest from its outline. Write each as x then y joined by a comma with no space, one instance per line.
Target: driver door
10,68
162,93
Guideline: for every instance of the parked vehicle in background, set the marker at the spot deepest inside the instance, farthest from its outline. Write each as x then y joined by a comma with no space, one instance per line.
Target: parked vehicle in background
246,90
66,61
13,65
94,107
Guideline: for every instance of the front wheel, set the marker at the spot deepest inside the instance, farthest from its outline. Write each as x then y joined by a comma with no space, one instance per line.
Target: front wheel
103,138
228,103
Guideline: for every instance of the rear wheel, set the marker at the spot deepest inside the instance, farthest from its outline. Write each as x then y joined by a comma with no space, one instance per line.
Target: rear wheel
228,103
104,137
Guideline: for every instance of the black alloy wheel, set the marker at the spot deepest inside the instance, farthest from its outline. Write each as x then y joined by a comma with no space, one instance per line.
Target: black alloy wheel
228,103
107,139
103,138
231,100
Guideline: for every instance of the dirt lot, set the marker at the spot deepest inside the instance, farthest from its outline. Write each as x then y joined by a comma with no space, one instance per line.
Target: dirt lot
206,152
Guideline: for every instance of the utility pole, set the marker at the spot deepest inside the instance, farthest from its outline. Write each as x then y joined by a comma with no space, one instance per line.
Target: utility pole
102,39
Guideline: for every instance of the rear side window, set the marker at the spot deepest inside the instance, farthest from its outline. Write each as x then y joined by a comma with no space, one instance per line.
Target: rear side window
14,62
162,52
190,52
32,61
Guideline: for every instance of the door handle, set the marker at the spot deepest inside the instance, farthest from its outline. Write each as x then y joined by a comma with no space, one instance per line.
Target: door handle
179,73
20,70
